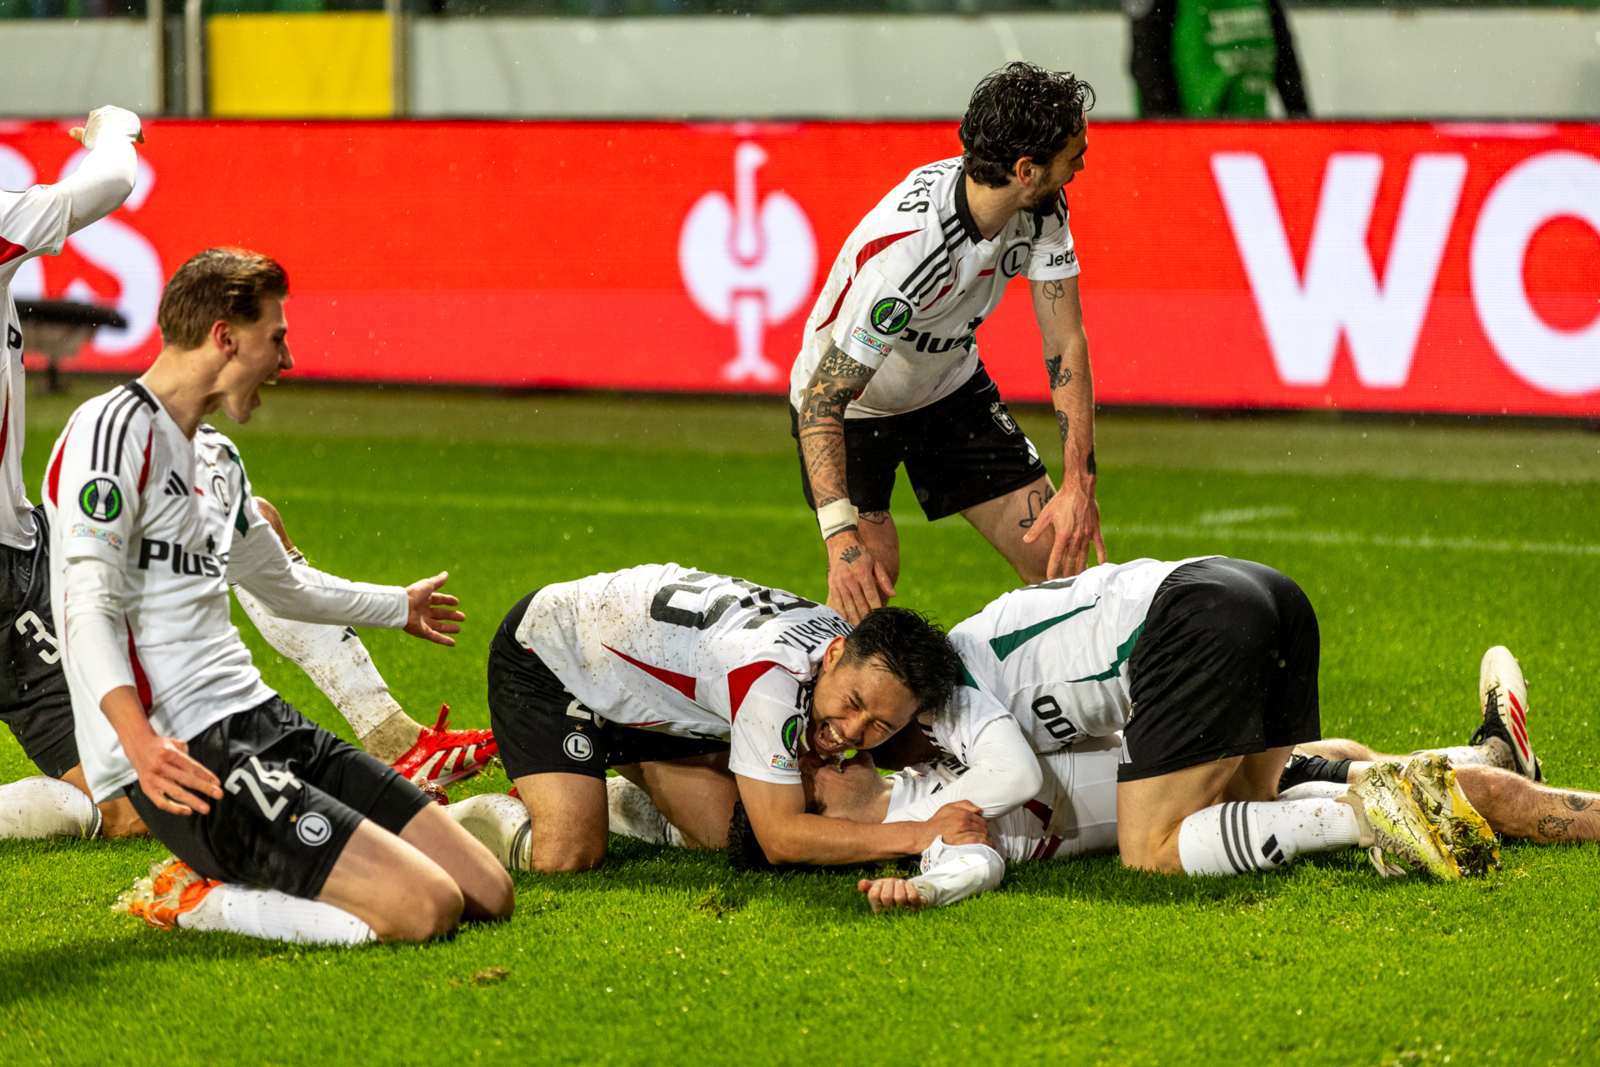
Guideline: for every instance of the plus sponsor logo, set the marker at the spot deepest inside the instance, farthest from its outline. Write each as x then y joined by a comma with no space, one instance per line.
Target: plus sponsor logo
194,564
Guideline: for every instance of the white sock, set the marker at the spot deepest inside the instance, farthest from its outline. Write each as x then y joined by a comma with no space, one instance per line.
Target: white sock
44,807
1238,838
273,916
1315,791
1492,753
500,823
336,660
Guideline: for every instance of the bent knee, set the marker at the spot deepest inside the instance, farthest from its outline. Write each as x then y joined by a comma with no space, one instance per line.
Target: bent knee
501,900
567,860
1153,851
431,911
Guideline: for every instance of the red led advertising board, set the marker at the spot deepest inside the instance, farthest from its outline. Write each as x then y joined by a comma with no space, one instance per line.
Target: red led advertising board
1407,267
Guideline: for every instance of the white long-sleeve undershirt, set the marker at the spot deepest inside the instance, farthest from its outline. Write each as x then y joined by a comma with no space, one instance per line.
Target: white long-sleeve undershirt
106,176
956,872
1004,775
95,629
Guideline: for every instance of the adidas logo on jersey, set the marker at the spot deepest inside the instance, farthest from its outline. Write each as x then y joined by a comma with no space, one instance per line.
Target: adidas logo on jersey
175,486
153,551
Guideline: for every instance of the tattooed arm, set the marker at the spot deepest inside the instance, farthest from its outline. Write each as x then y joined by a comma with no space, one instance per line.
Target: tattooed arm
1073,515
856,581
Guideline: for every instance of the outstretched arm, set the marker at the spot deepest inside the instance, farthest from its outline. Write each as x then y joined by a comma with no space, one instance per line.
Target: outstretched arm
857,582
105,178
1072,515
789,835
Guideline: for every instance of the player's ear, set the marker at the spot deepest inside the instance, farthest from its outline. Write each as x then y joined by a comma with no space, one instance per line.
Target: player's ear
833,653
222,336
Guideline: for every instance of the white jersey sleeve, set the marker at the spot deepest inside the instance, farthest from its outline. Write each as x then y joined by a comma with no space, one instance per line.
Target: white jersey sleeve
1053,256
956,872
1003,774
765,738
97,480
873,315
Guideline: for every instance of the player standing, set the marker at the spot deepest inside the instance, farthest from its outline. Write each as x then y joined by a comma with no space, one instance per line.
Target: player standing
33,691
889,370
170,712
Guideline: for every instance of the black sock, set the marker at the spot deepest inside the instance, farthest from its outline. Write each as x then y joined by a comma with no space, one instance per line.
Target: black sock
1302,769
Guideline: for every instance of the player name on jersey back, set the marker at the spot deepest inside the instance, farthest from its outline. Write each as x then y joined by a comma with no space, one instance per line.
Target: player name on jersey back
690,653
914,281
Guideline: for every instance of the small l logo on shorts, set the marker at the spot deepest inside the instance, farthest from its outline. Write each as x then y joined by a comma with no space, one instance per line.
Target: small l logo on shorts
313,829
577,746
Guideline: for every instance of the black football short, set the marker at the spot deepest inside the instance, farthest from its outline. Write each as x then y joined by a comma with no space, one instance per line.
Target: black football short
542,729
959,452
1226,666
292,796
34,702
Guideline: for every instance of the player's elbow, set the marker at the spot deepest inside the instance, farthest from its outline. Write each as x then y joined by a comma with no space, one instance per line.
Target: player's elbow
1009,791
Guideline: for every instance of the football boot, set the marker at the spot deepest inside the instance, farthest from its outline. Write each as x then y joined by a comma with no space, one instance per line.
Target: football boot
443,756
1465,832
172,888
1394,830
1504,697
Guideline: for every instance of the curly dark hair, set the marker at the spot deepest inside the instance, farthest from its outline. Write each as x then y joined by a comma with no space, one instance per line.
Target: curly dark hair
910,646
1021,112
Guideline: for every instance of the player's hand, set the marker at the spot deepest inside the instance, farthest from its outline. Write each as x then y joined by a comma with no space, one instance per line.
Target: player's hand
172,779
108,117
959,823
857,582
1073,516
431,616
886,894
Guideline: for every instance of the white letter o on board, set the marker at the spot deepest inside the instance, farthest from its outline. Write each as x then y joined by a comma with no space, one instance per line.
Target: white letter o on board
1532,193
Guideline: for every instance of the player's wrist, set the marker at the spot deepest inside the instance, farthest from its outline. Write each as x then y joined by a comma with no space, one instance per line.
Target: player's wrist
837,517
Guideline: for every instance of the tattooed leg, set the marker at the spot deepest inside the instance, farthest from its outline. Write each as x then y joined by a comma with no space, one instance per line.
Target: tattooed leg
1005,520
1517,807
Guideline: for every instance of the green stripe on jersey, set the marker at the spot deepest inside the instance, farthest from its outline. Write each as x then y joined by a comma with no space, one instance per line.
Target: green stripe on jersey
1006,644
1124,650
966,677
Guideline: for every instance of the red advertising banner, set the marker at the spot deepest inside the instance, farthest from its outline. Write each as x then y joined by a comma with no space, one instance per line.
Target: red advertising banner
1405,267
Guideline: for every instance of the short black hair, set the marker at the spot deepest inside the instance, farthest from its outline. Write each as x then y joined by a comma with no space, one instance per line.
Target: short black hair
912,647
1021,112
744,851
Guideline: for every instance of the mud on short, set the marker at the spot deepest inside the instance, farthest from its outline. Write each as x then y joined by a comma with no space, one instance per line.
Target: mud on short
541,728
959,452
34,702
1226,666
292,796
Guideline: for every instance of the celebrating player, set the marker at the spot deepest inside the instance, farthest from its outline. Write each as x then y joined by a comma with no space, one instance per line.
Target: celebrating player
1209,667
889,371
168,709
677,677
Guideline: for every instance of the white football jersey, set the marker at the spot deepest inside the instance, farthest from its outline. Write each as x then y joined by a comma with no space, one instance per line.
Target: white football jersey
912,283
689,653
32,223
125,486
1075,810
1055,654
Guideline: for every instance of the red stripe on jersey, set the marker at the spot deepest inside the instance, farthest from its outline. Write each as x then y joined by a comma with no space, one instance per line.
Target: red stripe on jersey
9,251
1040,811
1048,849
683,683
868,250
5,420
740,681
144,473
936,299
985,273
53,482
140,682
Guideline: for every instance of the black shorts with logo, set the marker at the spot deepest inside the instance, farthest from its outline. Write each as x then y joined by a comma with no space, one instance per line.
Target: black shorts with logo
542,729
1226,666
959,452
34,702
292,796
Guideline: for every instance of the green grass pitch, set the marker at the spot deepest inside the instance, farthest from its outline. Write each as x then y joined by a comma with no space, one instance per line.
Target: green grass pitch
1419,547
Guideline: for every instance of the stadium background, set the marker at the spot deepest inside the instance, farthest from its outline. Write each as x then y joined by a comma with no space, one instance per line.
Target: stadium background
498,196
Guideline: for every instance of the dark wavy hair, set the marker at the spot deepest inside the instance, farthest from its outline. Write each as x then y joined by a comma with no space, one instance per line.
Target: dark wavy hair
1021,112
910,646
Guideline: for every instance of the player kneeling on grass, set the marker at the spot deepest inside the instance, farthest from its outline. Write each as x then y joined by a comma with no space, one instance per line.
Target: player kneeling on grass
168,709
678,677
1209,668
57,804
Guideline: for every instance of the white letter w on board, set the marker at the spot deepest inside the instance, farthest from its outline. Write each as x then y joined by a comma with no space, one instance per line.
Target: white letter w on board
1303,317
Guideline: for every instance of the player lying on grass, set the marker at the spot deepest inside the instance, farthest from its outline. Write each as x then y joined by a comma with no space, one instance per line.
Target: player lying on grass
889,371
168,709
1209,668
57,803
678,677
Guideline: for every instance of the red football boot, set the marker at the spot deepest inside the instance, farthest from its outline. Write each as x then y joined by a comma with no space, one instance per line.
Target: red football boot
442,756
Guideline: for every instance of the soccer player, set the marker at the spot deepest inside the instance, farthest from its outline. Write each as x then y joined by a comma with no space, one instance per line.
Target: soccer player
1209,668
168,709
889,370
678,677
33,691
